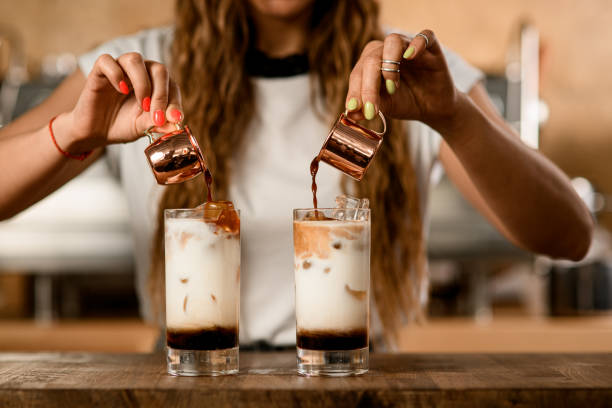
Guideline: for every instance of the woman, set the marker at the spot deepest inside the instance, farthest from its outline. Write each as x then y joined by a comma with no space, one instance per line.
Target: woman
261,83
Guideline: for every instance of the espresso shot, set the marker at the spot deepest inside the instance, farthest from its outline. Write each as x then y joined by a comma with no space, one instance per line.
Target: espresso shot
217,338
332,340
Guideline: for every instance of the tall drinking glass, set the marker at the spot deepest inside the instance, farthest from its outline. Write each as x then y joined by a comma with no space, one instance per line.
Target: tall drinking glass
202,290
332,290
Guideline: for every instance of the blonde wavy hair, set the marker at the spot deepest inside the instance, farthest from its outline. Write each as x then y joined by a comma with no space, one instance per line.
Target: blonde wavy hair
210,44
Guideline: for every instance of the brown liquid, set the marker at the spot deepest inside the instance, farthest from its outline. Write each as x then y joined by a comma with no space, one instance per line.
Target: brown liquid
209,180
228,218
207,177
223,214
332,340
314,169
214,338
315,215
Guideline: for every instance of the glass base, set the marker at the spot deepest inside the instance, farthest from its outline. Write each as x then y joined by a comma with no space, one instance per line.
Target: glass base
339,363
202,362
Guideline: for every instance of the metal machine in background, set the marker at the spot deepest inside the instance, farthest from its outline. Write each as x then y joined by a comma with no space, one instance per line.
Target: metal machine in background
584,287
461,235
81,231
515,94
13,73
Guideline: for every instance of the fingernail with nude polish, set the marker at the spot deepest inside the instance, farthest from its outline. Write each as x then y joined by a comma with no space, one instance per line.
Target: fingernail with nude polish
409,52
146,104
177,115
368,110
390,86
352,104
124,88
159,118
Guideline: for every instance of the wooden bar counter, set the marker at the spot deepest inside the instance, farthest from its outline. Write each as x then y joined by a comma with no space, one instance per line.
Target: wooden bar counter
270,380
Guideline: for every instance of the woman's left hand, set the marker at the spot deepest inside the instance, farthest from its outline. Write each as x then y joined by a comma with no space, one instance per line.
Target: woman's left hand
423,90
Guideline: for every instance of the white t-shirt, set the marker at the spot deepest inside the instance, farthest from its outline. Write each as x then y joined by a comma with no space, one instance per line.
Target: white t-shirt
271,177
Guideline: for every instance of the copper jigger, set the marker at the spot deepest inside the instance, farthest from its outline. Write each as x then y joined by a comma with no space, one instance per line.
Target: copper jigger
174,157
351,147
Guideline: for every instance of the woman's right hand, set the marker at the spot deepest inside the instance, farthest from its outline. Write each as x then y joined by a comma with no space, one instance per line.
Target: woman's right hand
122,98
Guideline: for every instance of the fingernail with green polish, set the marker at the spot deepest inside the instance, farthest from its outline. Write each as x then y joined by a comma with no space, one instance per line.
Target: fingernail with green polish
352,104
368,110
409,52
390,86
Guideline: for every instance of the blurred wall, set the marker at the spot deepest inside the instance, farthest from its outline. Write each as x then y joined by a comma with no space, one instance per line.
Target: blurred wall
576,35
57,26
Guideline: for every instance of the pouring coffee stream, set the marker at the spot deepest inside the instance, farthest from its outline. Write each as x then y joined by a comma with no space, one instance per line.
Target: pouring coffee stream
350,148
209,181
175,157
314,169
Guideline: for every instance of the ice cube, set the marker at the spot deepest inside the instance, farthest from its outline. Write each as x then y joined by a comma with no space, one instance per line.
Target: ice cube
338,214
348,207
214,209
229,220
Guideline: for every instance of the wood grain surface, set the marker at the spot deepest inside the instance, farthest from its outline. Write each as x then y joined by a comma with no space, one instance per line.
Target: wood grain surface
270,379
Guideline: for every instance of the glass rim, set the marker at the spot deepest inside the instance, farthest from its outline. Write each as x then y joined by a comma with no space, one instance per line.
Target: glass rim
189,210
330,208
299,214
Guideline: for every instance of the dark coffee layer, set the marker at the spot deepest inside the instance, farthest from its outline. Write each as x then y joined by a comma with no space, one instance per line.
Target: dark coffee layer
332,339
204,339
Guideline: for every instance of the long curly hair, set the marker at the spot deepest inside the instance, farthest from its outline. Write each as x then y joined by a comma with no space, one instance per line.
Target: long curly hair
210,44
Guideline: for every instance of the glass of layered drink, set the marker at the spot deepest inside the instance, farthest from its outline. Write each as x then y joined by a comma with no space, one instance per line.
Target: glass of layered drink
202,289
332,290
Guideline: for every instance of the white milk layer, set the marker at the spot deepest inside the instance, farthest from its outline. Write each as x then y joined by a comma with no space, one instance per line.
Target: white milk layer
202,275
332,276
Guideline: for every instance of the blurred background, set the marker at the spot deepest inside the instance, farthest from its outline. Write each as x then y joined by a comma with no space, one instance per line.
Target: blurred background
66,268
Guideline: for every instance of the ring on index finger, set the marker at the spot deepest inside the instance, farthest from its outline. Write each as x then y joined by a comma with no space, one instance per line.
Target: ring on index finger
425,37
385,61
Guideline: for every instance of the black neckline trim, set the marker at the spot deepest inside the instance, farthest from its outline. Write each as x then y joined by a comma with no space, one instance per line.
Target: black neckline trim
259,64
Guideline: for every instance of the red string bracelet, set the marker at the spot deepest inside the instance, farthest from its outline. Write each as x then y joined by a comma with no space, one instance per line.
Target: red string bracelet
80,157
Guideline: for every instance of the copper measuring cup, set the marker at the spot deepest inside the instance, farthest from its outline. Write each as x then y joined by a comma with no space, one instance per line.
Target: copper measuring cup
174,157
350,147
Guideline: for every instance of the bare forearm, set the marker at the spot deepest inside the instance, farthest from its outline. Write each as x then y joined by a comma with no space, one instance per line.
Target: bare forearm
529,195
32,167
